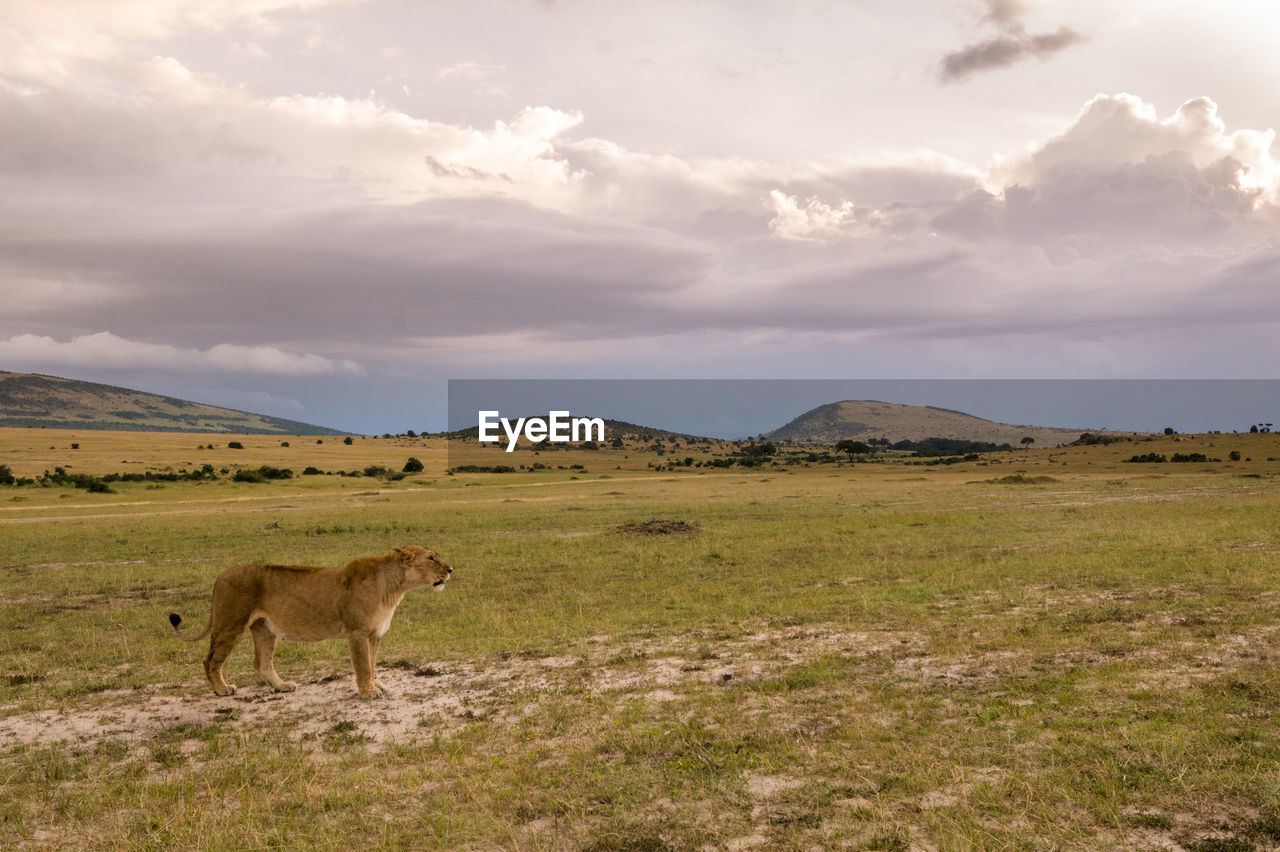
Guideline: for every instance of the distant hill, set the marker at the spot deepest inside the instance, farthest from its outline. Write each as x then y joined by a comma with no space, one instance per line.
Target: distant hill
861,420
31,400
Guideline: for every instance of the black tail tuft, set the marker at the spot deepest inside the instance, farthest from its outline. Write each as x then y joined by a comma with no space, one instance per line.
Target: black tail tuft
175,619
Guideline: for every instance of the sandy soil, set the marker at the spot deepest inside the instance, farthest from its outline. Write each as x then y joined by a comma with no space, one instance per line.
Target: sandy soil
420,694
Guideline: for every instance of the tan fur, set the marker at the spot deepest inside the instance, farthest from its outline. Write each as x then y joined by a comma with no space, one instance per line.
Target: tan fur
300,602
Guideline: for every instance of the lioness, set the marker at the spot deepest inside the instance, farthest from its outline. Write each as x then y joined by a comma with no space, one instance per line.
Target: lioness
300,602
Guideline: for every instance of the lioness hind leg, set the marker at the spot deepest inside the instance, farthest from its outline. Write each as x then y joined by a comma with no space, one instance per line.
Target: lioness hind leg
264,652
220,646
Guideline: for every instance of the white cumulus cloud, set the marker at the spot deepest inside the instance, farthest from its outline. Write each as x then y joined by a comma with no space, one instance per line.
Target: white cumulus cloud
105,350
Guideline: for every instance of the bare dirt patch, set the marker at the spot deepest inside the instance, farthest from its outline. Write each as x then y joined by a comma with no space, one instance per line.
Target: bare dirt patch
435,697
658,526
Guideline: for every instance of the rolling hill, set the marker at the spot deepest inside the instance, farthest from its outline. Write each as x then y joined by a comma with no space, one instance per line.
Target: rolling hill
32,400
865,419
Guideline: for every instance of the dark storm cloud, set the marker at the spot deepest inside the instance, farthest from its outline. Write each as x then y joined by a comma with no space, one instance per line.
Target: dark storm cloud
1004,50
1012,45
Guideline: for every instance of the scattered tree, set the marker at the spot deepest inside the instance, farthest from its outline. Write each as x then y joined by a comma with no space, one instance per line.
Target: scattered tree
853,448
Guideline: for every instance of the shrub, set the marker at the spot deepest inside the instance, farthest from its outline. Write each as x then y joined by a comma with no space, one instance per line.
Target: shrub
413,465
262,474
1148,458
347,440
1089,439
235,445
312,471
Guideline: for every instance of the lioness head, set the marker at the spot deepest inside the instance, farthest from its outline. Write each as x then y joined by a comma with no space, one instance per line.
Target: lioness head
424,565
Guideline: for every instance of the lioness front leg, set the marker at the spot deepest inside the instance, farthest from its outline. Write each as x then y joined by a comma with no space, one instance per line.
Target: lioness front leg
374,642
264,653
362,662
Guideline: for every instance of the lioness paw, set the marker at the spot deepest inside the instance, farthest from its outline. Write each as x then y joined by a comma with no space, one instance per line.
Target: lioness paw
370,694
286,686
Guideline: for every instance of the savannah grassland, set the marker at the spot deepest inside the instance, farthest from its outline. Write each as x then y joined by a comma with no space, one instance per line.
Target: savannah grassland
1041,649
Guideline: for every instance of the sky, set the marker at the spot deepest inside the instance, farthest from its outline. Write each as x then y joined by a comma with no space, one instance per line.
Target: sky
326,210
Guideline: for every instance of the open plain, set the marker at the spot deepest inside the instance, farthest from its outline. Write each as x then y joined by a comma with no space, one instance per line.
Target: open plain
1051,648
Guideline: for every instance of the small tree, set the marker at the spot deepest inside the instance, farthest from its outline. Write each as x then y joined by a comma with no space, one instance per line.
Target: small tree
347,440
853,448
413,465
1028,441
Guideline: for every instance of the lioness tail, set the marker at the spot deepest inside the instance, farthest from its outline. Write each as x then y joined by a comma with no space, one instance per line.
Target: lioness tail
176,619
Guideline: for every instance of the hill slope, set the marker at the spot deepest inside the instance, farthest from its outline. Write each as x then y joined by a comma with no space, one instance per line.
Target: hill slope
865,419
31,400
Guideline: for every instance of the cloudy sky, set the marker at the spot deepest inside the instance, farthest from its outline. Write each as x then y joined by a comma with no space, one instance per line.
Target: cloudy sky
324,210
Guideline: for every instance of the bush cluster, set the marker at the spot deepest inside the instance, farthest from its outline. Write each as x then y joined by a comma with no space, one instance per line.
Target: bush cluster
1160,458
262,474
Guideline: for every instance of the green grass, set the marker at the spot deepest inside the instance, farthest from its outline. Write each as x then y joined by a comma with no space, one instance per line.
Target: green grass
868,657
